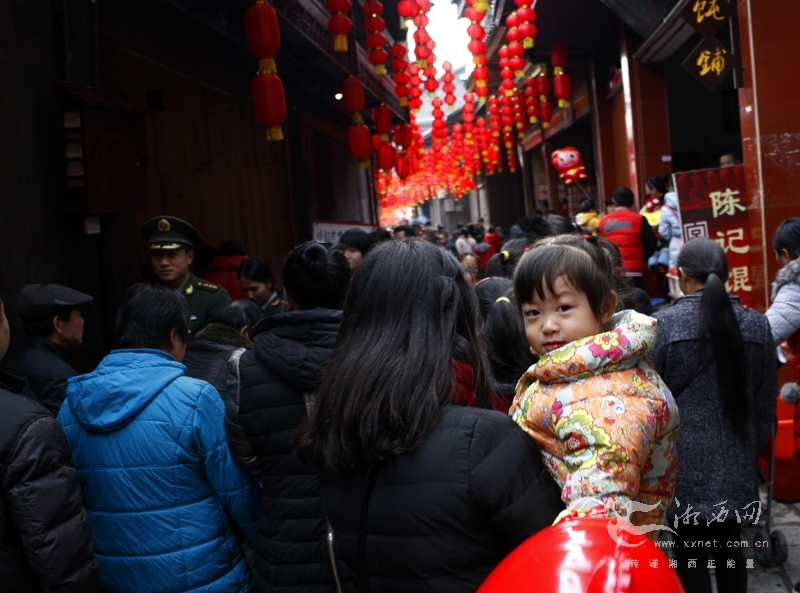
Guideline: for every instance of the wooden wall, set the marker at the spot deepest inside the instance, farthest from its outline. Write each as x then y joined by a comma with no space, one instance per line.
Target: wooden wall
210,162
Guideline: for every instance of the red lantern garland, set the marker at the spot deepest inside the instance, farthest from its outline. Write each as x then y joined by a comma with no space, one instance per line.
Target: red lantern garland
526,15
264,40
383,121
561,83
506,73
400,76
339,24
407,9
358,134
421,35
447,85
376,40
415,90
531,100
545,106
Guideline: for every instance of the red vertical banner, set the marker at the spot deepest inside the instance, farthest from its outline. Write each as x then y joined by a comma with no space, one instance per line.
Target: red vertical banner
713,204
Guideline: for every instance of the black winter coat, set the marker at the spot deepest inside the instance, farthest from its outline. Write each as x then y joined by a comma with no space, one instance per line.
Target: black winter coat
45,540
715,464
207,355
45,367
290,353
441,517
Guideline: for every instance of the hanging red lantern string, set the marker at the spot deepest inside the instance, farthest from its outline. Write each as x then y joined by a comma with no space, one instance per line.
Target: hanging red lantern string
506,73
414,83
376,40
468,113
421,35
264,41
353,96
358,134
447,85
407,9
545,106
561,83
526,15
400,76
359,138
516,52
382,117
431,84
339,24
507,113
520,121
531,100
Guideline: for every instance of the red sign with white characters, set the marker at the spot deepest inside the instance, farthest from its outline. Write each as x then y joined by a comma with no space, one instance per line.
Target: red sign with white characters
713,204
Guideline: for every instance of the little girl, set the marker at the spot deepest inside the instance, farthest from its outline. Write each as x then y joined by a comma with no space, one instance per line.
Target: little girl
605,423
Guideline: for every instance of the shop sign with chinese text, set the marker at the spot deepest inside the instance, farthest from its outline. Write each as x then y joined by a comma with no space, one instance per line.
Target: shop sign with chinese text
712,204
710,62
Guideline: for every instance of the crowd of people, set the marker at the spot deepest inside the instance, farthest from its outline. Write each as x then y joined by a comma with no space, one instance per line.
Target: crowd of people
395,412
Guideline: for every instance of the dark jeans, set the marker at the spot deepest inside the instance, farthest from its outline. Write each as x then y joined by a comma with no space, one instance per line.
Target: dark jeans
696,580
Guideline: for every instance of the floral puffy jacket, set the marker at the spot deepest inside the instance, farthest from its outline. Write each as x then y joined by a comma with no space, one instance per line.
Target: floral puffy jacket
605,422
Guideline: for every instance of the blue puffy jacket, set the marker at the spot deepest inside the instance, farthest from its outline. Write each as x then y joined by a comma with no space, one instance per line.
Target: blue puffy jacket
161,489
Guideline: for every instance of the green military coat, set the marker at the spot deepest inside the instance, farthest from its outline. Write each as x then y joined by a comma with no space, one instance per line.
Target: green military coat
203,298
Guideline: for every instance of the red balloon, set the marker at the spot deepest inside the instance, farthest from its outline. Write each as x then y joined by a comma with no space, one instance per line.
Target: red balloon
568,162
580,555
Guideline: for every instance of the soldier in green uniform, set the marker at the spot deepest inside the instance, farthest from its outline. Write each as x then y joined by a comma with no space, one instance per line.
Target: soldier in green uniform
171,241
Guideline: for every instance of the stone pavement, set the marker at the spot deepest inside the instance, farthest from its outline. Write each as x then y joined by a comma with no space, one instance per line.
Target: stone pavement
786,519
775,579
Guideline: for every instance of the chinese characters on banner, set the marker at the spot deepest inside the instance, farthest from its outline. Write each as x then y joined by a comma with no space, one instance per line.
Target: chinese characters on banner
712,204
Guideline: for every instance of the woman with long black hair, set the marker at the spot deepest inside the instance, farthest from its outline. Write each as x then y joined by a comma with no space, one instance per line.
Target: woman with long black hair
426,487
718,360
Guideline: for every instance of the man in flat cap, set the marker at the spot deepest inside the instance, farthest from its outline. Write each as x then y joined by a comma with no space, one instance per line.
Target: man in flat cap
171,241
53,324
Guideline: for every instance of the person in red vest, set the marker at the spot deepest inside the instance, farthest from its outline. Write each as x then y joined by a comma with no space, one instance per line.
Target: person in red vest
224,268
631,232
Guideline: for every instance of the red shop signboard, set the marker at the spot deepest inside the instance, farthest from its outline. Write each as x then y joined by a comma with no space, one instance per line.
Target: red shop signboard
712,204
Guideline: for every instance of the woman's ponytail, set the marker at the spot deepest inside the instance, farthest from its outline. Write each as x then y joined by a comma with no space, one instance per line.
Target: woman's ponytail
704,260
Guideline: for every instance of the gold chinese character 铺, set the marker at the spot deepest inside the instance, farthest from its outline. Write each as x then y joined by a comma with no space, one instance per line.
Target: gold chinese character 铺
707,9
708,64
725,203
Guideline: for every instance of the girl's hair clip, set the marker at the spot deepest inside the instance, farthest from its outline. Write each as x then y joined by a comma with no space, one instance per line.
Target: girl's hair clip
503,298
505,255
526,250
587,237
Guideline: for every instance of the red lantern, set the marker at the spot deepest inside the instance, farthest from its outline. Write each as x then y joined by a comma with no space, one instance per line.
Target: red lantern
561,83
403,136
270,104
359,138
386,156
407,9
353,95
263,35
401,165
545,112
339,25
562,89
383,121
